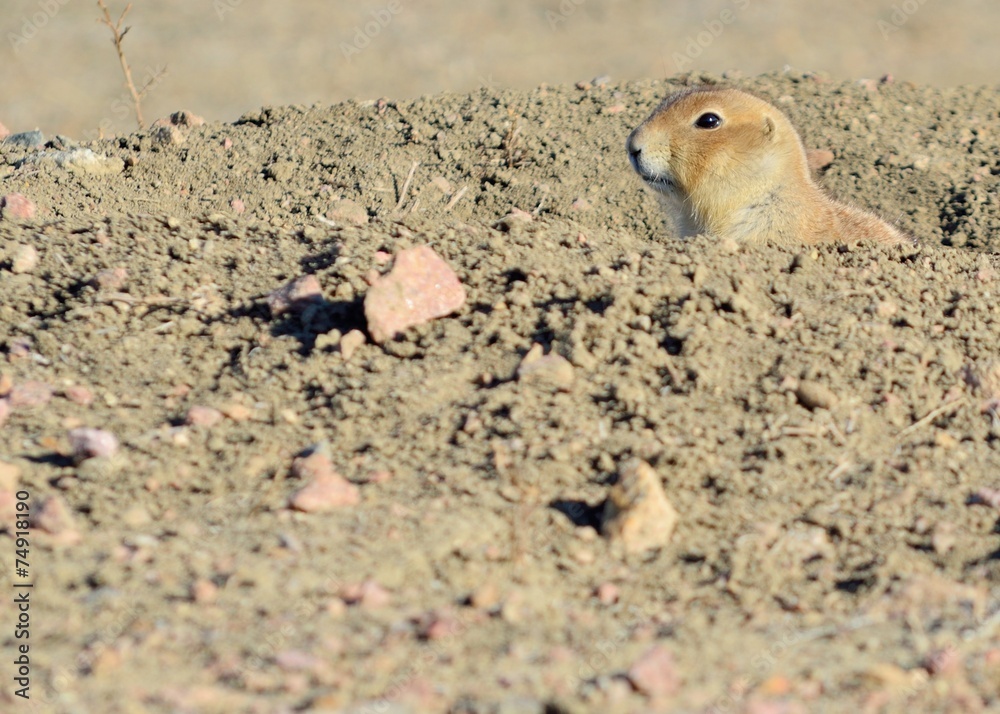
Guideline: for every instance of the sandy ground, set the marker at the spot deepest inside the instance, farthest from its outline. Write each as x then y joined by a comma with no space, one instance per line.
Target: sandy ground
226,57
825,558
841,556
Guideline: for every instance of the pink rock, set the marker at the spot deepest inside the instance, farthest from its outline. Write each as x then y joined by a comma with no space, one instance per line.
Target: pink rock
4,132
582,205
312,465
53,516
238,206
30,394
419,287
227,143
367,594
25,260
79,394
607,593
987,497
515,219
296,296
325,492
655,673
4,410
19,348
346,212
17,206
88,443
110,279
202,416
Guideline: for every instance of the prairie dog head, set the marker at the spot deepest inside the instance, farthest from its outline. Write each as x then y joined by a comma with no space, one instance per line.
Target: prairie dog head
714,151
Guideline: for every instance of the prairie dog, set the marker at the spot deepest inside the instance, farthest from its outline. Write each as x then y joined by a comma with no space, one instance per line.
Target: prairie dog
731,165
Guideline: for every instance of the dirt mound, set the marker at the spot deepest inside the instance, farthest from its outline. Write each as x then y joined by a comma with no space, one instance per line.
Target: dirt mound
824,420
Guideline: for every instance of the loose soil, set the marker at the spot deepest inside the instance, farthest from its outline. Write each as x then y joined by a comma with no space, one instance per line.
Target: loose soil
825,559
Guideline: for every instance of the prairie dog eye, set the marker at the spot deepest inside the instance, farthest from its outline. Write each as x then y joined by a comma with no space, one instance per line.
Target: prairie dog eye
708,120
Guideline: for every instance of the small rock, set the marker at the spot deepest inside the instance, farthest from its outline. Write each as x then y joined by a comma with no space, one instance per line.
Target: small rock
350,342
204,592
227,143
420,287
88,443
515,219
202,416
486,596
4,132
552,371
110,279
17,206
238,206
655,673
814,395
987,497
79,394
6,384
82,161
582,205
19,348
53,516
441,184
181,118
607,593
26,139
943,662
819,159
237,412
168,135
637,513
325,493
368,594
295,296
30,394
9,475
382,257
25,260
440,625
346,212
4,410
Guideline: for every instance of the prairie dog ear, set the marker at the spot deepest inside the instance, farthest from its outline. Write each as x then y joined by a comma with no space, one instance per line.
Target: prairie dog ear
769,128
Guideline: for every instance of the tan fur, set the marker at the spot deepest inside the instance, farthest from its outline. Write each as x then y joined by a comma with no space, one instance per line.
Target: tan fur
747,180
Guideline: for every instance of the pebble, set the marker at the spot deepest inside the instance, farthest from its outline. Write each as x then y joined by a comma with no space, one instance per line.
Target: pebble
79,394
326,489
987,497
551,371
368,594
204,592
168,135
9,475
110,279
637,513
515,219
17,206
295,296
814,395
55,517
25,260
238,206
346,212
582,205
227,143
82,161
199,415
88,443
6,384
26,139
237,412
4,410
819,159
30,394
420,287
607,593
350,342
655,673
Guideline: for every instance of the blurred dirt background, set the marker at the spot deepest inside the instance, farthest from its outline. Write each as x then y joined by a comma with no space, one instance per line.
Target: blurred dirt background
224,57
825,421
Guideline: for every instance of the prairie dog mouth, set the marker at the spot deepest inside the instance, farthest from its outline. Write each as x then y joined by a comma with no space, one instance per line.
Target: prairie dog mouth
661,181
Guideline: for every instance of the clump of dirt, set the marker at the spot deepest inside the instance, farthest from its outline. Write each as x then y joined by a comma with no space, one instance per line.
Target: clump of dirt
821,418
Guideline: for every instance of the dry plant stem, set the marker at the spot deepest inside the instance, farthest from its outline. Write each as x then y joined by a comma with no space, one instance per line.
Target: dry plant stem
118,34
456,198
406,185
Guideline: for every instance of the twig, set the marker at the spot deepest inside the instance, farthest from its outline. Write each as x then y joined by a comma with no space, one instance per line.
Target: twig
932,415
406,185
117,35
456,198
